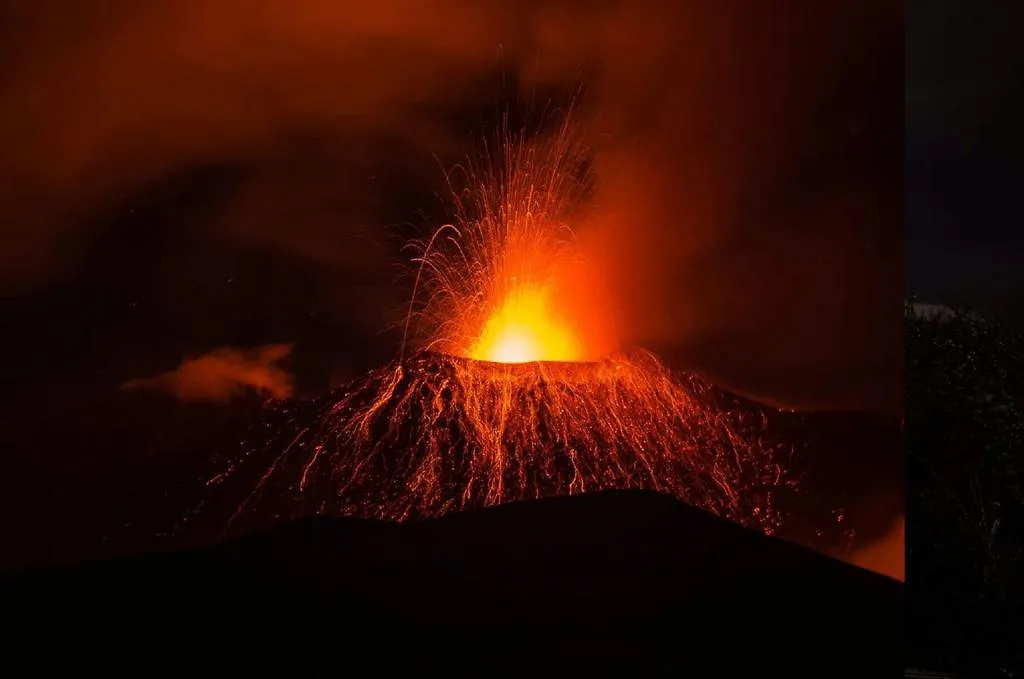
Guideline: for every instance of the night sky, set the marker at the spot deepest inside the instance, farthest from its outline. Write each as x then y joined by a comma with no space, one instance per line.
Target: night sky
965,186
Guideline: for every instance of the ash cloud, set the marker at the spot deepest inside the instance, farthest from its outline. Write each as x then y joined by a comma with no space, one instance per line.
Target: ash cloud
105,98
224,374
748,157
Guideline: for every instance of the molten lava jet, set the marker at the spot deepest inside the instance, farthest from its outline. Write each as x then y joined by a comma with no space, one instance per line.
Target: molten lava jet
523,330
509,391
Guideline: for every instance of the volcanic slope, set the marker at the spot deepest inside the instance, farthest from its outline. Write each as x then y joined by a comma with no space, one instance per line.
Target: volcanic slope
436,434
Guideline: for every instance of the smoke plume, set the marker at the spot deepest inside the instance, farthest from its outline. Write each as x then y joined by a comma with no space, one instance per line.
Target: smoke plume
223,374
747,208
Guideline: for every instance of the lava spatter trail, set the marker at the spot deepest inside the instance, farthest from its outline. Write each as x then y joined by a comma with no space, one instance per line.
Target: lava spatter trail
436,433
511,384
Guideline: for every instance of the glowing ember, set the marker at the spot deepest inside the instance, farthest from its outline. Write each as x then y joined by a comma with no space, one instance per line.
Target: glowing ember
456,425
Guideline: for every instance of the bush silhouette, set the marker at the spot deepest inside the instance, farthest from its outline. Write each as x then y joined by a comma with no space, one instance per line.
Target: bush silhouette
965,462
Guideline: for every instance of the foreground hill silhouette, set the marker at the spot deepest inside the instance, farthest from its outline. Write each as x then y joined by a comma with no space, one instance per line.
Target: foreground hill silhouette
622,582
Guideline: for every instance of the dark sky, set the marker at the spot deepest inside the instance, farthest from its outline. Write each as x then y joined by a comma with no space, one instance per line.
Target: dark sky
178,177
965,154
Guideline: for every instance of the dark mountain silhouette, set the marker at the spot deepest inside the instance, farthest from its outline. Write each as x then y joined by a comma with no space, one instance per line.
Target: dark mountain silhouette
623,583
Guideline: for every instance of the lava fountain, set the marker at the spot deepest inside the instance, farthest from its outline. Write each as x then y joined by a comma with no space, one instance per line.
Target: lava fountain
507,281
510,385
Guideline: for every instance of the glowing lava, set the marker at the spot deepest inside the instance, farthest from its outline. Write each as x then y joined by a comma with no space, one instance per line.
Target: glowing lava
524,329
505,281
453,424
434,434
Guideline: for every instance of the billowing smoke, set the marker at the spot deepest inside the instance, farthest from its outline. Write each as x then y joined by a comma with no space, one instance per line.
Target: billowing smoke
751,195
224,374
748,154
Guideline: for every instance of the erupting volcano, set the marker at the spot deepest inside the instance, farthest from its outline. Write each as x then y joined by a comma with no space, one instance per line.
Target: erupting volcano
510,385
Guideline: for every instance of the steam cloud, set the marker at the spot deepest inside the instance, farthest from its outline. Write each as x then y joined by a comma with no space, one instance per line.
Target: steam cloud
224,374
748,154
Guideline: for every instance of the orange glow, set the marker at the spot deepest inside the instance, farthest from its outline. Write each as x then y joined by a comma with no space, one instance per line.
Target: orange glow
508,281
518,389
523,330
